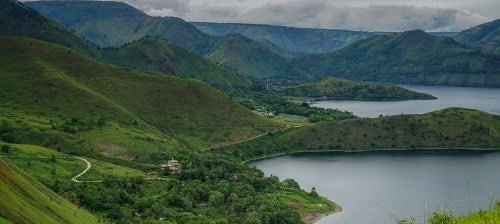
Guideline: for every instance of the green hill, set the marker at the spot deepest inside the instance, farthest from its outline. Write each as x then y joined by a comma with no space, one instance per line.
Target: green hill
448,128
302,40
156,55
254,60
25,200
412,57
343,89
17,19
112,24
485,36
46,80
148,55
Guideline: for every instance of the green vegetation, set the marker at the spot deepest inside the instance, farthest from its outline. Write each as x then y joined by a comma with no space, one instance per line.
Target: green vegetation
447,129
485,36
303,40
490,216
412,57
106,26
271,103
127,123
25,200
254,60
156,55
40,77
343,89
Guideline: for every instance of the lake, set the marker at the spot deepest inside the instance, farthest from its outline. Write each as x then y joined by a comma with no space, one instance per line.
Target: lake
485,99
380,187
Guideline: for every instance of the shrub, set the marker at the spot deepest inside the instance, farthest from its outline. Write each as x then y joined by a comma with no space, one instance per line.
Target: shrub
5,148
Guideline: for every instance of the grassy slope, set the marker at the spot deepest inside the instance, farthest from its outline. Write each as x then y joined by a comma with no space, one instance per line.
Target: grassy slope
486,36
408,57
343,89
301,40
54,76
25,200
156,55
448,128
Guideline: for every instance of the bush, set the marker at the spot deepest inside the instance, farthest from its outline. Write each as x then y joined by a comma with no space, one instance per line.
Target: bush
440,218
5,148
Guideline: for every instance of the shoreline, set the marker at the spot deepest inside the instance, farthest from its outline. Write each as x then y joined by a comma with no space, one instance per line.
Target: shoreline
363,151
312,218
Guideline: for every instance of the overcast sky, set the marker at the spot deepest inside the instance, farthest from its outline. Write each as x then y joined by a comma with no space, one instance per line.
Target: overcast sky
369,15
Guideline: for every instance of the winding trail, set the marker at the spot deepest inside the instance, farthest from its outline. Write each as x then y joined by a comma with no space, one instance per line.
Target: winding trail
246,140
89,165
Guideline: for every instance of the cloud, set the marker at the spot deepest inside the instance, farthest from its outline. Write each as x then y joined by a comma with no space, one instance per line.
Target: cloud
385,15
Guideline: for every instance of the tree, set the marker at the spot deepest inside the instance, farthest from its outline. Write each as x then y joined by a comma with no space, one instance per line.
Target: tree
5,148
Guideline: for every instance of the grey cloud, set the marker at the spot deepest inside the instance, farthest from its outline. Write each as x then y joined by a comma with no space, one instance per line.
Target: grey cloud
323,14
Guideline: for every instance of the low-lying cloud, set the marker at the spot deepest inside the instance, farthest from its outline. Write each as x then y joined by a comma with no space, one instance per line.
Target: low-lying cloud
318,14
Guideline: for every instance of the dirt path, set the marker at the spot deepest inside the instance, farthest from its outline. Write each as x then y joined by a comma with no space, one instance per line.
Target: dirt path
246,140
89,165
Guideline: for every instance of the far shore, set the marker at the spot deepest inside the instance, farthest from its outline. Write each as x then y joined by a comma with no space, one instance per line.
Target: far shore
361,151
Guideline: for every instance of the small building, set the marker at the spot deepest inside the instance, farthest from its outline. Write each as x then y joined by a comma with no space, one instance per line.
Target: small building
172,165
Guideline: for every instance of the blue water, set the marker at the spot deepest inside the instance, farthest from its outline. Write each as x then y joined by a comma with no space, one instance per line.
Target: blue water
485,99
382,187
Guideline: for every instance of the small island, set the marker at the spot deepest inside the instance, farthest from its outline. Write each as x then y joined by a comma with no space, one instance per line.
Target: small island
333,88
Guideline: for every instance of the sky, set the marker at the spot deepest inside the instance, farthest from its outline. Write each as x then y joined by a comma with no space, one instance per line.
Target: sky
367,15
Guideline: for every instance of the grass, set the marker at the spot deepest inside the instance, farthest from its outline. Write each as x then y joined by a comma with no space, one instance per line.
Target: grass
491,216
25,200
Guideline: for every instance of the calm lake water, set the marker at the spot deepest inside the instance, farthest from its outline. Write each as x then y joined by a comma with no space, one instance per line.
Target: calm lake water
485,99
380,187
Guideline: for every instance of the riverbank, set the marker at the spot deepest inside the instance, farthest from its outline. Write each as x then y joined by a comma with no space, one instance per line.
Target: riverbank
311,218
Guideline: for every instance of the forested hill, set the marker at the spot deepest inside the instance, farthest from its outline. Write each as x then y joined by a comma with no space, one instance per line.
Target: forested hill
451,128
412,57
485,36
343,89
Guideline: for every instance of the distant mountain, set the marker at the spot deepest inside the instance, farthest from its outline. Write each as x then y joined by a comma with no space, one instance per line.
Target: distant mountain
253,59
343,89
485,36
113,24
156,55
413,57
17,19
302,40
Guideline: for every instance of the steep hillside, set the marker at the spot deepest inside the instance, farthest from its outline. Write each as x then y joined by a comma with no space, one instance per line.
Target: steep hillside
344,89
156,55
113,24
410,57
302,40
46,80
25,200
485,36
254,60
448,128
17,19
